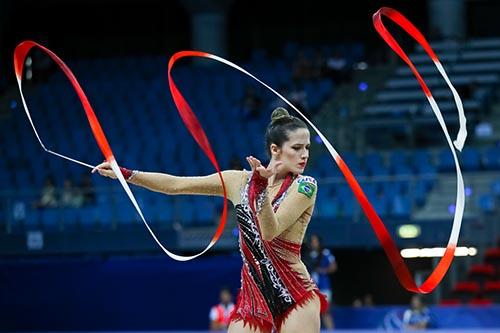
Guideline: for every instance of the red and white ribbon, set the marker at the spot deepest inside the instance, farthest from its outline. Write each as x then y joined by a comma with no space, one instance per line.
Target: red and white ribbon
394,256
378,226
194,127
20,54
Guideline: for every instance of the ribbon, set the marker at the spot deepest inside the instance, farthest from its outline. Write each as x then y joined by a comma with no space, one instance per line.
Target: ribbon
20,54
387,242
389,247
194,127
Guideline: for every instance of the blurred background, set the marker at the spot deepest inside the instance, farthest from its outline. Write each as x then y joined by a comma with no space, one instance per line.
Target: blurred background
74,255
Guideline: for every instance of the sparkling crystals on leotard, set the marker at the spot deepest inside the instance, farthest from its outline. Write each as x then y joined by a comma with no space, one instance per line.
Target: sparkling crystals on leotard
251,232
260,200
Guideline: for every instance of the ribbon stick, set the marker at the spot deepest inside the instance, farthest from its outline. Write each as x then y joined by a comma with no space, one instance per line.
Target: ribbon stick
20,54
387,242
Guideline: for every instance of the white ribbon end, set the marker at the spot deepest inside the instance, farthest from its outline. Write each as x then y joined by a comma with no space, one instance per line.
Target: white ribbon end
458,145
460,141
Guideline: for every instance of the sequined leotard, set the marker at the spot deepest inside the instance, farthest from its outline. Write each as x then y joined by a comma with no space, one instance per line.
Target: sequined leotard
273,278
272,221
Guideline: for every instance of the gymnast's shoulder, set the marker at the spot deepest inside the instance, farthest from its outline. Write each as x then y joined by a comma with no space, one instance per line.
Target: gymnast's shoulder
306,186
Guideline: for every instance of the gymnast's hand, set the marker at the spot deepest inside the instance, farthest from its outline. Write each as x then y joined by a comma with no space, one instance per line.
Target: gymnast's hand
104,169
264,172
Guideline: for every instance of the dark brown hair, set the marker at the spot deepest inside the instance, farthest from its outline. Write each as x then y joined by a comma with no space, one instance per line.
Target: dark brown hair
281,123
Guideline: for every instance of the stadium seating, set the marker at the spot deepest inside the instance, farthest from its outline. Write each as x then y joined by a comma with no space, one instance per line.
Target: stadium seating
137,114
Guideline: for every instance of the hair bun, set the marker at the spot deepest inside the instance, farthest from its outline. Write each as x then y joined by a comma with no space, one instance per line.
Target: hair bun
279,113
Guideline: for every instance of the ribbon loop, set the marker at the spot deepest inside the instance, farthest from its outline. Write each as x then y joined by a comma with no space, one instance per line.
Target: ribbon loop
20,54
194,127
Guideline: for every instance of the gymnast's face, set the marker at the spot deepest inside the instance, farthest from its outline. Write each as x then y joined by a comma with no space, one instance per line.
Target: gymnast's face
294,152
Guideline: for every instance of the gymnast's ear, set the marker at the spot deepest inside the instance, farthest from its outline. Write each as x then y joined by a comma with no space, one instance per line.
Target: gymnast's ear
275,150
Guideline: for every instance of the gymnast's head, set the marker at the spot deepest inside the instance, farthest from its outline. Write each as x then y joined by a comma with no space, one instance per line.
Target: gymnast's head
288,141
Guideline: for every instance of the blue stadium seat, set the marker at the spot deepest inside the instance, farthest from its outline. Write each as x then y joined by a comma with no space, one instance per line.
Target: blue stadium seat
401,206
32,220
373,159
491,158
124,213
471,159
347,206
328,208
184,212
486,203
445,161
164,213
397,157
420,191
87,217
370,190
391,189
495,188
69,218
375,170
204,211
381,205
51,219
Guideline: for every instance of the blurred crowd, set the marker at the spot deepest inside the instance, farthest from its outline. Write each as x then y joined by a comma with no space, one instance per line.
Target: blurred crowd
70,195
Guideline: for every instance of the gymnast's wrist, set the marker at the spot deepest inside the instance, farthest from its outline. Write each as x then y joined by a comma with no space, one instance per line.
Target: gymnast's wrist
128,174
259,181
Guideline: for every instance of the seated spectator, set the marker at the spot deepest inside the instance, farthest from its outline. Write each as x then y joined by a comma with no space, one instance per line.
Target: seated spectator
368,300
70,195
357,303
418,316
48,196
219,314
337,69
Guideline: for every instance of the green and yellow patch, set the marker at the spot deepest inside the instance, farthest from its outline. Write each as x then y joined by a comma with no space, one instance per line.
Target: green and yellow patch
307,188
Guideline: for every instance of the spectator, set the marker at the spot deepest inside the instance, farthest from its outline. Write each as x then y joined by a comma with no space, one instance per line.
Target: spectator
70,195
48,196
368,300
321,263
418,316
336,67
357,303
219,314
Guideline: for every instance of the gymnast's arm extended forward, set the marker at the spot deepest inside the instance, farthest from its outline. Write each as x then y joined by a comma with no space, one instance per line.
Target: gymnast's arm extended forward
174,185
273,224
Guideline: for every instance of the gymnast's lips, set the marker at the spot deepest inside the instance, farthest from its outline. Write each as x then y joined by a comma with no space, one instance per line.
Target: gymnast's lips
302,165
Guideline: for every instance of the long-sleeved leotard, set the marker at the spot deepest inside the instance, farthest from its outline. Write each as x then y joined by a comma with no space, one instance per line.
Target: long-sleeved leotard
272,221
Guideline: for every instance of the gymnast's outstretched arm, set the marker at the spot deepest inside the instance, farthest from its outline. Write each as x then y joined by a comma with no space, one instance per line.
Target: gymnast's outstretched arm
174,185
